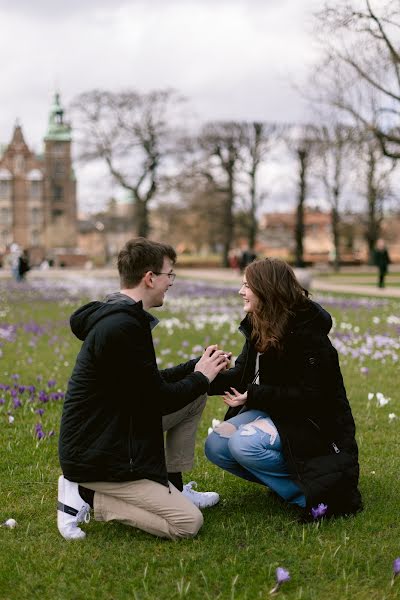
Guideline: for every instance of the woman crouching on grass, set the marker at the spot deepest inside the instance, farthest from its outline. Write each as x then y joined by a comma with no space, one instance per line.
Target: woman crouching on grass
289,425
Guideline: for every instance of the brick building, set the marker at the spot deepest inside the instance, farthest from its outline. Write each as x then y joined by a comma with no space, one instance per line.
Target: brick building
38,192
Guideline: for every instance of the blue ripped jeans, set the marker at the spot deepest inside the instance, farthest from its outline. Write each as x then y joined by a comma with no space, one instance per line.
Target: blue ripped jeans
249,446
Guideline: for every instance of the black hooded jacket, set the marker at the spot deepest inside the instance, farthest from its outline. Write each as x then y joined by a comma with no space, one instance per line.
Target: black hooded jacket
301,388
111,425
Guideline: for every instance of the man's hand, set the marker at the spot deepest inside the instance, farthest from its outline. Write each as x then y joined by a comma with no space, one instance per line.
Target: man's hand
235,398
228,361
212,362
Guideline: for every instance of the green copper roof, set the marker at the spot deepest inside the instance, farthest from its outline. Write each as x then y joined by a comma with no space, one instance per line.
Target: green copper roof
57,130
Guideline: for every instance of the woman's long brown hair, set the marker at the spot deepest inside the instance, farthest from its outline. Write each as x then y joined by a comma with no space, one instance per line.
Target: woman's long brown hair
279,294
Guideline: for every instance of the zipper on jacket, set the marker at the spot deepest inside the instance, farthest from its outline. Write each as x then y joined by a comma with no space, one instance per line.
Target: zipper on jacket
247,358
334,446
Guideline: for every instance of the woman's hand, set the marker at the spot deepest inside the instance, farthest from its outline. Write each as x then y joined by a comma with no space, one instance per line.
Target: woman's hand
235,398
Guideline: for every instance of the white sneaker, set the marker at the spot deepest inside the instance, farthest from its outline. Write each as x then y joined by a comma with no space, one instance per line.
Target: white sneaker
71,510
199,499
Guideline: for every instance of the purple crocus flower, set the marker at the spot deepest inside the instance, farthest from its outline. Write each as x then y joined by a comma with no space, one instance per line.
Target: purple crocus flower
43,397
320,511
39,431
396,568
17,403
51,383
281,575
39,411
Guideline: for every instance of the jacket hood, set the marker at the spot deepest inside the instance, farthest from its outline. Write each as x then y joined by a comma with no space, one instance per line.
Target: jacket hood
312,318
84,319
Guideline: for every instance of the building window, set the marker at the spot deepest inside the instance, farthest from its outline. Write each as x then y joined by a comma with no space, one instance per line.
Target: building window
6,216
57,213
58,150
59,168
5,237
5,189
19,164
35,237
57,193
35,190
36,216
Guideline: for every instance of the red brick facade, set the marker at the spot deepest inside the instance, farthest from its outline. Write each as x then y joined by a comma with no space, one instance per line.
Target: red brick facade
38,193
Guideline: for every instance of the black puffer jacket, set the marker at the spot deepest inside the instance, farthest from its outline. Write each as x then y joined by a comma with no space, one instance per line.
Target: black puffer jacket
302,390
111,426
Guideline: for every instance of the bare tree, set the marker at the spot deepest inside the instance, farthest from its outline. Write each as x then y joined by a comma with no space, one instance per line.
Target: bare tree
258,139
197,212
362,45
301,140
334,145
376,174
220,160
134,134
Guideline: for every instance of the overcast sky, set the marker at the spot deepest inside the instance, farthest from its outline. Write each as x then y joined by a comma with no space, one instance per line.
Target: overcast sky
232,59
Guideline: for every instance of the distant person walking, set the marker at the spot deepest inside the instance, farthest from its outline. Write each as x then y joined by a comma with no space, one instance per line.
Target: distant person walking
247,257
23,265
12,259
382,261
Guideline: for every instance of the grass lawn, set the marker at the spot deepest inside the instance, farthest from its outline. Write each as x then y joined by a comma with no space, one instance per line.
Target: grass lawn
249,534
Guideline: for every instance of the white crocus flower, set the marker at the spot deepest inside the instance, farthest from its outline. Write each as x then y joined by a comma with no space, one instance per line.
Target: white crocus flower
10,523
214,424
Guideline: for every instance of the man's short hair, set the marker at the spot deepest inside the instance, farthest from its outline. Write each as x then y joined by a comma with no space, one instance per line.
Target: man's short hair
140,255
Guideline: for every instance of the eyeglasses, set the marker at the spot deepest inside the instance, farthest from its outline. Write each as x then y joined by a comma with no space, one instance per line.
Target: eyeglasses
170,275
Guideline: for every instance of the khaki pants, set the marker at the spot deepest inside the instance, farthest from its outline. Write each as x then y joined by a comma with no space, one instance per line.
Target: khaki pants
148,505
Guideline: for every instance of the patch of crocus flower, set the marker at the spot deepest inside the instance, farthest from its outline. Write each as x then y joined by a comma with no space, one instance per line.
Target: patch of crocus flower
381,399
9,523
319,511
396,568
281,575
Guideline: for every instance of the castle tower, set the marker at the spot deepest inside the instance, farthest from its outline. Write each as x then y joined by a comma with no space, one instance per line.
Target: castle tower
21,194
60,183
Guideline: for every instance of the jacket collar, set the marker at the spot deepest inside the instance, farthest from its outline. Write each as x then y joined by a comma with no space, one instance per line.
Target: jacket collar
118,298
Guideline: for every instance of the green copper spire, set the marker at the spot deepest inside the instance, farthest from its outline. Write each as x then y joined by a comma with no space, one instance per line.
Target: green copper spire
57,130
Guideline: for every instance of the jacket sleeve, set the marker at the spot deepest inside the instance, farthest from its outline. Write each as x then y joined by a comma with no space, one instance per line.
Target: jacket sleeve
178,372
129,370
312,382
231,377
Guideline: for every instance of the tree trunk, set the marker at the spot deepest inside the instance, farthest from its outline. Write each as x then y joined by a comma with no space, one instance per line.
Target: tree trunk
228,225
373,225
141,217
253,226
335,219
299,228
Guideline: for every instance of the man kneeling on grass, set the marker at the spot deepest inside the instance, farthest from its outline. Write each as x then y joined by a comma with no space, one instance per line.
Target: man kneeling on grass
118,404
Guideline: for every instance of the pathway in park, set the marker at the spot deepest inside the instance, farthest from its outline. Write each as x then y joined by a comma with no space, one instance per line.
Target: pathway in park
317,284
215,275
